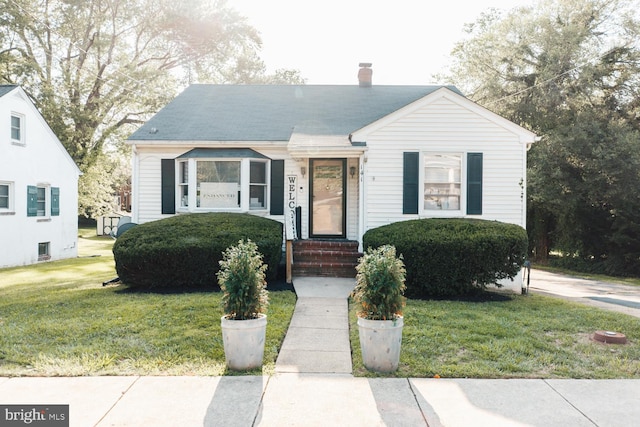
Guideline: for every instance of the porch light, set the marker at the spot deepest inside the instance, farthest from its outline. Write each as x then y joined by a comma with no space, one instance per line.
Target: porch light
352,171
303,170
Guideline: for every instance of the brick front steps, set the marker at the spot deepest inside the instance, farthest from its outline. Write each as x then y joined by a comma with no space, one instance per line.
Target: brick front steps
325,258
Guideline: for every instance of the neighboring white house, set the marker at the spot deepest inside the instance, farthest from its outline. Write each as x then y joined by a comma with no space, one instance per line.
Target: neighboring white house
38,186
351,158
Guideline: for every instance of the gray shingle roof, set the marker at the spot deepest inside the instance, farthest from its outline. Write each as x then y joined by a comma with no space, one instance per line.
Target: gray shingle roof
5,89
272,112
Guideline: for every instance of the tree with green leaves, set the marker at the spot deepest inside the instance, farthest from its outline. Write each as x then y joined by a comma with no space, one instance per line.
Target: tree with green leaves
569,70
94,68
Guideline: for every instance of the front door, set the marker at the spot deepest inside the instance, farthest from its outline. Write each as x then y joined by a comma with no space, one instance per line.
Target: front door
328,198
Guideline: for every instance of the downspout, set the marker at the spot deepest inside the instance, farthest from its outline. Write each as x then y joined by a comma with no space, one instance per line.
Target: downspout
527,146
134,185
362,217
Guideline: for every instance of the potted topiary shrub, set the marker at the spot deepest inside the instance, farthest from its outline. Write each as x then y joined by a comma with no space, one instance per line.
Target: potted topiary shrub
379,293
245,299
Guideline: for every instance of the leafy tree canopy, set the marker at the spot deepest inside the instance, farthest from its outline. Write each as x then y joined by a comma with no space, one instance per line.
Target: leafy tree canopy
570,71
94,68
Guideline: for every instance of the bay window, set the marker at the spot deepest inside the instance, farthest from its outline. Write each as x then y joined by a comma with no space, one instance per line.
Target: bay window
208,179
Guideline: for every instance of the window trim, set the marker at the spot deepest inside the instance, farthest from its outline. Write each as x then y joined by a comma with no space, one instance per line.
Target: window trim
22,130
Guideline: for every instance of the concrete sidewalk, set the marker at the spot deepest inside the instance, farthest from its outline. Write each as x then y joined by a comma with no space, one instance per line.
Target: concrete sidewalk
313,386
330,399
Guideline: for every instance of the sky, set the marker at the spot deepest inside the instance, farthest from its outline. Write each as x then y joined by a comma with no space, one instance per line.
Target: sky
407,41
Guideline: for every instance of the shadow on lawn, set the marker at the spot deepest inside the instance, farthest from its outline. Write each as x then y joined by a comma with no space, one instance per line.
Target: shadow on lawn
279,284
480,296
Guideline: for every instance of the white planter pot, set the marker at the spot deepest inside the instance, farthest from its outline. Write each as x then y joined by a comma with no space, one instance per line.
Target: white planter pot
243,342
380,342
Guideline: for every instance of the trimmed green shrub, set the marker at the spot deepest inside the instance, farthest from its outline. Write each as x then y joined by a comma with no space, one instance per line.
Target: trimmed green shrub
453,257
185,250
380,284
241,278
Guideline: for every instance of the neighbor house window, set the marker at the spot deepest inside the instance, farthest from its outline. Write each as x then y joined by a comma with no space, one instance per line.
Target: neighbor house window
6,197
43,251
43,201
442,182
17,128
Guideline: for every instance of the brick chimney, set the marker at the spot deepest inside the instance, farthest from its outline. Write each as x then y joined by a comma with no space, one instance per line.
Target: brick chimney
364,74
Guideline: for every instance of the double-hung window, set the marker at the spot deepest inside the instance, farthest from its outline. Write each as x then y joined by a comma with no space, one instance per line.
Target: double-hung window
257,185
183,183
43,201
6,197
17,128
442,184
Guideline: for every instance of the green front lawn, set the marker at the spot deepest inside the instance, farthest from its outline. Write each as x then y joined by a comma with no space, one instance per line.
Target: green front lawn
517,336
57,319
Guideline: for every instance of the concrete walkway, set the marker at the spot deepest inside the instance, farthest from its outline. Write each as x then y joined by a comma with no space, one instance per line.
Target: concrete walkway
313,386
317,340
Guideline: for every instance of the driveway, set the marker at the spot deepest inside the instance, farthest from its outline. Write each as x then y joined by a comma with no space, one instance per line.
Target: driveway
609,296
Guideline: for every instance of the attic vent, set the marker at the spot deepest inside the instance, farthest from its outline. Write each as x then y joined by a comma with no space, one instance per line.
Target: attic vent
153,130
364,74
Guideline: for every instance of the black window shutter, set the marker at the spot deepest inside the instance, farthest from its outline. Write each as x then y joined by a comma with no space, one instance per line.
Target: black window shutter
410,184
168,179
277,187
474,183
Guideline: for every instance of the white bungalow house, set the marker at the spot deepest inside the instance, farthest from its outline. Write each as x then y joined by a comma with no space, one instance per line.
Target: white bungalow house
38,186
350,158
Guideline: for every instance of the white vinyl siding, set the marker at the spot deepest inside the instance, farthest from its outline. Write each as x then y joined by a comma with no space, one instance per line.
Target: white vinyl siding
148,195
443,126
32,157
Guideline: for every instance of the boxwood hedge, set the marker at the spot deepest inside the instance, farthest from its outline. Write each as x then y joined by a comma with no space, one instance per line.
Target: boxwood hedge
453,257
185,250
